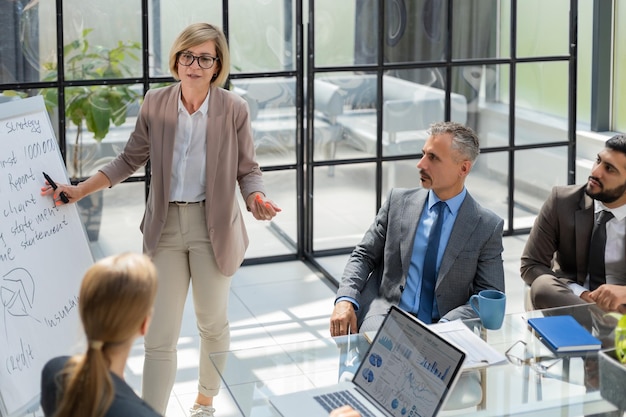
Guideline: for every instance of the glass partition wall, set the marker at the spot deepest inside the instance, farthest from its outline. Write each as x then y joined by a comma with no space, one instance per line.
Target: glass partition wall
341,95
494,65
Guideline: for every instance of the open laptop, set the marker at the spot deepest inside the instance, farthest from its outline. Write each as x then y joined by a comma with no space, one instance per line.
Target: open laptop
408,370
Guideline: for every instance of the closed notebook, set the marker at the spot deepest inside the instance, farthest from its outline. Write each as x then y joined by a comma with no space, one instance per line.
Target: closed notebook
564,334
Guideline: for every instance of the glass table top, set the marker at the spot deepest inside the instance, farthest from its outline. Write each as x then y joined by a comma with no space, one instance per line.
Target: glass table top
533,381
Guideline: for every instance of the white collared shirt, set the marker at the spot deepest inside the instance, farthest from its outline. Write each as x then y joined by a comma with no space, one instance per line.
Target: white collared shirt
615,250
614,253
188,176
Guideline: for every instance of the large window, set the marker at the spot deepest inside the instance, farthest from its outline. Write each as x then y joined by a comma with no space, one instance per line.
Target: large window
341,95
504,72
619,68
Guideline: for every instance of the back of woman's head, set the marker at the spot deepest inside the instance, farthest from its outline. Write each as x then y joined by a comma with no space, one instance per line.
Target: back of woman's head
116,298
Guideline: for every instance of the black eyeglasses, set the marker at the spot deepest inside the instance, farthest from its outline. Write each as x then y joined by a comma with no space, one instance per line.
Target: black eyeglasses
204,61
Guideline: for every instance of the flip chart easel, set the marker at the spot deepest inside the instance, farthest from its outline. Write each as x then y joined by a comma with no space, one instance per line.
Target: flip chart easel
44,253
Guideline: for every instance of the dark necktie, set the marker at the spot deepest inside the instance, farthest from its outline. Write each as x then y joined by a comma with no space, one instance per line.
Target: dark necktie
596,250
429,271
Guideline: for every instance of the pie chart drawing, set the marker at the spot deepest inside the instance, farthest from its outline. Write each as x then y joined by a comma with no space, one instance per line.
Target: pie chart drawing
17,292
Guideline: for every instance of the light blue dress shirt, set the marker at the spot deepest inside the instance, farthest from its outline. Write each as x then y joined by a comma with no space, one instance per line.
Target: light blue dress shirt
411,295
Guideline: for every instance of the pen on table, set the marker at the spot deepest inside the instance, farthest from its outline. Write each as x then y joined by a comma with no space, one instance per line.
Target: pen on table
54,187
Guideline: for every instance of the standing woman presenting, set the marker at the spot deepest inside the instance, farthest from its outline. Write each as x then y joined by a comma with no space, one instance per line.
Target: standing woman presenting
198,139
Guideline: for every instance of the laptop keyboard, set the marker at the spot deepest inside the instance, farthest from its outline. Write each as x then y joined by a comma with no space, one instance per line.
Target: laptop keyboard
337,399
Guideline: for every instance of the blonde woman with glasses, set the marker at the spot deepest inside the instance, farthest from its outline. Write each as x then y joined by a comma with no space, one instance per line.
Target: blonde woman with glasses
198,139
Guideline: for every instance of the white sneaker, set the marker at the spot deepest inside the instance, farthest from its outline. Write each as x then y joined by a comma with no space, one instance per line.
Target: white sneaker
201,411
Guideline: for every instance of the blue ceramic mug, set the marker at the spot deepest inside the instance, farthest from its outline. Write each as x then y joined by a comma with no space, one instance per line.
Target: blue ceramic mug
490,306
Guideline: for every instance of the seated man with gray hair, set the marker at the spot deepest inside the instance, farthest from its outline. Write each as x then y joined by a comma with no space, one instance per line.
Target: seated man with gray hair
429,249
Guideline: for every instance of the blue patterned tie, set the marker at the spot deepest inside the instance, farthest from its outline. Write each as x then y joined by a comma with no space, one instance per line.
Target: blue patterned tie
429,271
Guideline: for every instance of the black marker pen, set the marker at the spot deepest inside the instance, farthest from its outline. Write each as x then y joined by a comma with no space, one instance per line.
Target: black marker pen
54,187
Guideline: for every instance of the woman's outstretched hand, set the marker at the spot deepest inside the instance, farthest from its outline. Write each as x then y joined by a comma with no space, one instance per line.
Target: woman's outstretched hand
262,208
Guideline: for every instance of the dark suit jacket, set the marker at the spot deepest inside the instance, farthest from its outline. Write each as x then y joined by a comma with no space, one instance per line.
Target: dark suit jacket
230,159
376,272
125,404
558,244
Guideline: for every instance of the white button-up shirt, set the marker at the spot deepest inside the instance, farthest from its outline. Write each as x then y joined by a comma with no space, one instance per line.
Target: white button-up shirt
189,160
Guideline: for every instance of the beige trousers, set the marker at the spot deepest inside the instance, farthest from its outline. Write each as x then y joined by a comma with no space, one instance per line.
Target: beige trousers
185,255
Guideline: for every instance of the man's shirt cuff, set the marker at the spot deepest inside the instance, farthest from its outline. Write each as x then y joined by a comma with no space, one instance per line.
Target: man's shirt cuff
577,289
352,300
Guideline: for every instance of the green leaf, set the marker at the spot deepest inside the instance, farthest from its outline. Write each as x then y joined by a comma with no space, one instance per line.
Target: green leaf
118,107
620,339
95,107
51,98
71,47
116,55
13,93
77,104
616,316
99,116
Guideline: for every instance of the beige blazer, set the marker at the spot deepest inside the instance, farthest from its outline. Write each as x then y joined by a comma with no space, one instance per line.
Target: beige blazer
230,159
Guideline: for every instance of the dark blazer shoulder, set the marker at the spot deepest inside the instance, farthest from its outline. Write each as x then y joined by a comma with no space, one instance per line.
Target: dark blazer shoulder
563,198
404,193
127,403
50,383
575,191
54,365
572,188
487,214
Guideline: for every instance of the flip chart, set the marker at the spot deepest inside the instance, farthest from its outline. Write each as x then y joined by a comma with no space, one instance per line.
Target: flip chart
44,253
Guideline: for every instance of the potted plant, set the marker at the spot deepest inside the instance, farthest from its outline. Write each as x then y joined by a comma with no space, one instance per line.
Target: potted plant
612,365
92,109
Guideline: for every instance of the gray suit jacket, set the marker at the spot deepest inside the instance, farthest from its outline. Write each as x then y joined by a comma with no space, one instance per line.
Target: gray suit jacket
230,159
558,243
376,272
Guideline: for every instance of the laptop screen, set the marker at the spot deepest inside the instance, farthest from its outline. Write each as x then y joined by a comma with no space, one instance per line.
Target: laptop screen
409,369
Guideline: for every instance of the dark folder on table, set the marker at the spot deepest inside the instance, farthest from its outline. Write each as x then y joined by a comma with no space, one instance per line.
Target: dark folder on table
408,370
564,334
